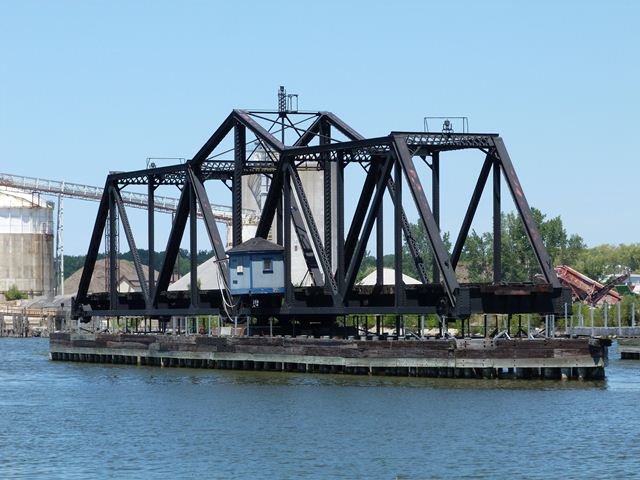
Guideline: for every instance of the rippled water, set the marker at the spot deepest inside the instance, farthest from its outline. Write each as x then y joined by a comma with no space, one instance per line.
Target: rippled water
66,420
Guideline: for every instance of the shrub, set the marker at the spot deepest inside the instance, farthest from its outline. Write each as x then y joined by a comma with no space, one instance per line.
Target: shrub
14,294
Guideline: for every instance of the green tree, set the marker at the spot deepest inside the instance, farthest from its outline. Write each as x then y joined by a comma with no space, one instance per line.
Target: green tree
519,263
14,294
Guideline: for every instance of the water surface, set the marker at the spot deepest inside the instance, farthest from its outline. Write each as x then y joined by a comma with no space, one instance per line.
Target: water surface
73,420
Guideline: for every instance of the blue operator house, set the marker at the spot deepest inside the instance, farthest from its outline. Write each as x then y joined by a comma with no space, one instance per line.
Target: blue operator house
256,267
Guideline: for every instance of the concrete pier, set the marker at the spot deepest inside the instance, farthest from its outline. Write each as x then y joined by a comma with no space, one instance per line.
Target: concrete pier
553,358
629,348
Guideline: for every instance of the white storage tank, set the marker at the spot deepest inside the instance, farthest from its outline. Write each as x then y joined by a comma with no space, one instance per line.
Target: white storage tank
26,243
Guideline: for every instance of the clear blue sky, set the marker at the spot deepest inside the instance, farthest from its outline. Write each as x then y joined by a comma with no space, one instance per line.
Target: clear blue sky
87,87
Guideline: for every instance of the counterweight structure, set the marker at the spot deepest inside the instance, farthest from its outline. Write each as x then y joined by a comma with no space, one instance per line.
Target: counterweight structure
322,141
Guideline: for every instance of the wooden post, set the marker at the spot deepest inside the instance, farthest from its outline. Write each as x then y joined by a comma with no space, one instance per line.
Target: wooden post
580,318
619,318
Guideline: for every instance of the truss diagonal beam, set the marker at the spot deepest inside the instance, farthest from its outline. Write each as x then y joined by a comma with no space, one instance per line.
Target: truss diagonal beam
433,232
213,141
173,244
356,259
305,245
312,131
94,245
408,235
258,130
124,219
313,230
528,221
360,212
274,198
342,126
210,223
471,210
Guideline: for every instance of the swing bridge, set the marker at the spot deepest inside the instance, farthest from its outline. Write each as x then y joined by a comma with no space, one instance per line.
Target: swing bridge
333,246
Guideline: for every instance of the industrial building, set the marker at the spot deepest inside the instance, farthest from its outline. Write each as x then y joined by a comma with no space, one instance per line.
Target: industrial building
26,243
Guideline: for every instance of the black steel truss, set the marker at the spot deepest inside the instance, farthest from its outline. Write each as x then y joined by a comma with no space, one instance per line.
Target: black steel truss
389,165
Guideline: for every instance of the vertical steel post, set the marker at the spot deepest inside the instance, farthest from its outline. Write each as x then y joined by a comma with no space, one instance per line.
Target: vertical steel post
497,225
592,321
324,138
379,234
421,326
286,197
193,245
209,325
240,153
633,314
340,269
151,234
486,325
271,326
397,234
435,195
529,325
113,251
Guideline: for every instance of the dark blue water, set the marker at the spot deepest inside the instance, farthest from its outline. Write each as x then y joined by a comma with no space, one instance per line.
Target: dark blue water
66,420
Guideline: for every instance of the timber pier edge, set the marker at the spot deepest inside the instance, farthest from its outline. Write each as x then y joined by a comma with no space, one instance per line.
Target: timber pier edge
551,358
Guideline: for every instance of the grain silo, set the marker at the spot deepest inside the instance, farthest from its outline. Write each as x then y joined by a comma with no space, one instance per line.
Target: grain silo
26,243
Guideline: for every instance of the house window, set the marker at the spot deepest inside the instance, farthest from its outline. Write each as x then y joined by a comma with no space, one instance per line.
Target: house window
267,265
240,269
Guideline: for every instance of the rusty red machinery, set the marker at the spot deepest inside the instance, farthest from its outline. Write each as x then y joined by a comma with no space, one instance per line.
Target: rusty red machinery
588,290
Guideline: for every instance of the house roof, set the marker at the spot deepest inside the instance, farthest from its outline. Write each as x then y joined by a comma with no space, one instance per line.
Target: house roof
388,278
256,245
127,273
208,277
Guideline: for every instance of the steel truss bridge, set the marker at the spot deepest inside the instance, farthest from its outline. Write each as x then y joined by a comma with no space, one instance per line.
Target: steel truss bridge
321,141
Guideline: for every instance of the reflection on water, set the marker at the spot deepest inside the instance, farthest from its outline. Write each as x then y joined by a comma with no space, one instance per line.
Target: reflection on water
66,420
